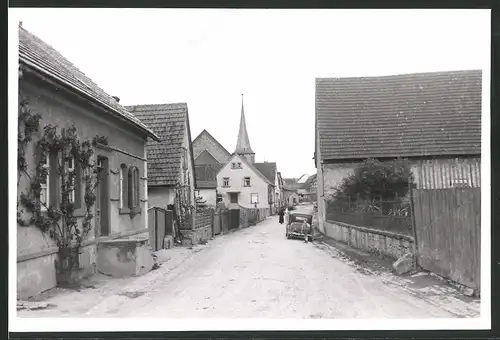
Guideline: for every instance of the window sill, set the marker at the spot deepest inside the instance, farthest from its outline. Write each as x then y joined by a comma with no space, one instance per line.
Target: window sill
132,212
124,211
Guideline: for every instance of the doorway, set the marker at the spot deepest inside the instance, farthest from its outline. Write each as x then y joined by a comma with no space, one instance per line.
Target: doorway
233,196
102,199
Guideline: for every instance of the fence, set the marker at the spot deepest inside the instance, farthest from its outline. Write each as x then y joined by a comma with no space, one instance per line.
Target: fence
204,218
448,232
160,224
221,221
393,216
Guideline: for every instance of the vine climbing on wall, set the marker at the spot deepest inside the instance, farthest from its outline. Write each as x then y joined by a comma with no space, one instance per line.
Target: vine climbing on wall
62,155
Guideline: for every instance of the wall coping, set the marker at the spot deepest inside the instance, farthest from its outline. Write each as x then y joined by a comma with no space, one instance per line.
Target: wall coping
54,250
374,231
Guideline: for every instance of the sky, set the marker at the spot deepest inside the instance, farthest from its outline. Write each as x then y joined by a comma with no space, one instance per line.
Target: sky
208,58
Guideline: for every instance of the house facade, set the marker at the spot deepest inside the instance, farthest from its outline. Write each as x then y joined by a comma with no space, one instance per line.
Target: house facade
431,119
241,184
171,180
206,183
64,96
209,157
242,181
290,197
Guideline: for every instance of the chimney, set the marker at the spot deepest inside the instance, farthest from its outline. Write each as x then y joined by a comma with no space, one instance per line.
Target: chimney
116,98
20,24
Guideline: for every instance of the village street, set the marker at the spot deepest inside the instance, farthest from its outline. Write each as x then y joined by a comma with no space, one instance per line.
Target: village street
256,272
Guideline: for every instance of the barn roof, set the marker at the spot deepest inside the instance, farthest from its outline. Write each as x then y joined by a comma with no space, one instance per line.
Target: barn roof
422,114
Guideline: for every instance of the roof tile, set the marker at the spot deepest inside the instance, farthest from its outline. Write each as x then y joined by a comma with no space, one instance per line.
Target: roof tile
424,114
168,121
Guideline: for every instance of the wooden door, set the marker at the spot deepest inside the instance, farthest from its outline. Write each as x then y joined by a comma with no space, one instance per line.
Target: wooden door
102,202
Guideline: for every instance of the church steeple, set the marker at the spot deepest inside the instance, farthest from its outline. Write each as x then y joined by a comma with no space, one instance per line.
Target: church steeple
243,144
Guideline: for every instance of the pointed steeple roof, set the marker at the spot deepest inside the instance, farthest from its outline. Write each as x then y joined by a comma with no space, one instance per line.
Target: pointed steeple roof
243,143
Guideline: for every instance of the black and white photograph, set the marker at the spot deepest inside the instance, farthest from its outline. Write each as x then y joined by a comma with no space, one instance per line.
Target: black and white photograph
249,169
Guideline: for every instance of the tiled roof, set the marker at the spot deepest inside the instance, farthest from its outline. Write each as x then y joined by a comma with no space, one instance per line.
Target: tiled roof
268,170
168,121
254,168
205,132
206,175
424,114
38,55
307,184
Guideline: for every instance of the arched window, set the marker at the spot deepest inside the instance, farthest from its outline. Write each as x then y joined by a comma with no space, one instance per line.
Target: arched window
123,187
133,187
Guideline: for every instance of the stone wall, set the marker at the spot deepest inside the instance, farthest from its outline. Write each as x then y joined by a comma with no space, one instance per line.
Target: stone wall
196,236
125,257
204,218
374,241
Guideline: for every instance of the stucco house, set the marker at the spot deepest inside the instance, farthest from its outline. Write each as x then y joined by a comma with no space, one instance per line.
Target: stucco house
63,95
241,184
270,170
171,179
242,181
431,119
290,197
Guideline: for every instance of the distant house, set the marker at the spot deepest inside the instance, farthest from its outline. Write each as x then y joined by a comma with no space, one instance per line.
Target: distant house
309,189
290,197
171,180
209,157
241,184
63,95
206,183
270,170
207,150
242,181
432,119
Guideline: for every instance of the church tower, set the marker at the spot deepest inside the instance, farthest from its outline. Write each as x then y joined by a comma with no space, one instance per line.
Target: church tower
243,144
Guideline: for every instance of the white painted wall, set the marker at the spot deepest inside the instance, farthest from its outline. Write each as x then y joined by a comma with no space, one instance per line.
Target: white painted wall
160,197
258,185
209,195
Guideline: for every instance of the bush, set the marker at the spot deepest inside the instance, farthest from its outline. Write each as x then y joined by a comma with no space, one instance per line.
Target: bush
373,179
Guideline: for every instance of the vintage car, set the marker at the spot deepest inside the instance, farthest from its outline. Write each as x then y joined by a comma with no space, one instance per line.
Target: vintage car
299,226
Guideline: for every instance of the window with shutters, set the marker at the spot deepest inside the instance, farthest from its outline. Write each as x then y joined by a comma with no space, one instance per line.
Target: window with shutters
133,188
45,184
123,187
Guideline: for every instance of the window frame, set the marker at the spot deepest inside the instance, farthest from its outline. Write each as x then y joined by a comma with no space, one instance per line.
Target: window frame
134,189
252,195
247,181
72,194
46,165
224,180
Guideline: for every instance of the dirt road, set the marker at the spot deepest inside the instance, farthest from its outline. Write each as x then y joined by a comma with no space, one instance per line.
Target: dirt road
257,272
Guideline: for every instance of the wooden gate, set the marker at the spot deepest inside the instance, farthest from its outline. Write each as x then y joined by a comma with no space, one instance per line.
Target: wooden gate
217,223
448,232
234,218
160,223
